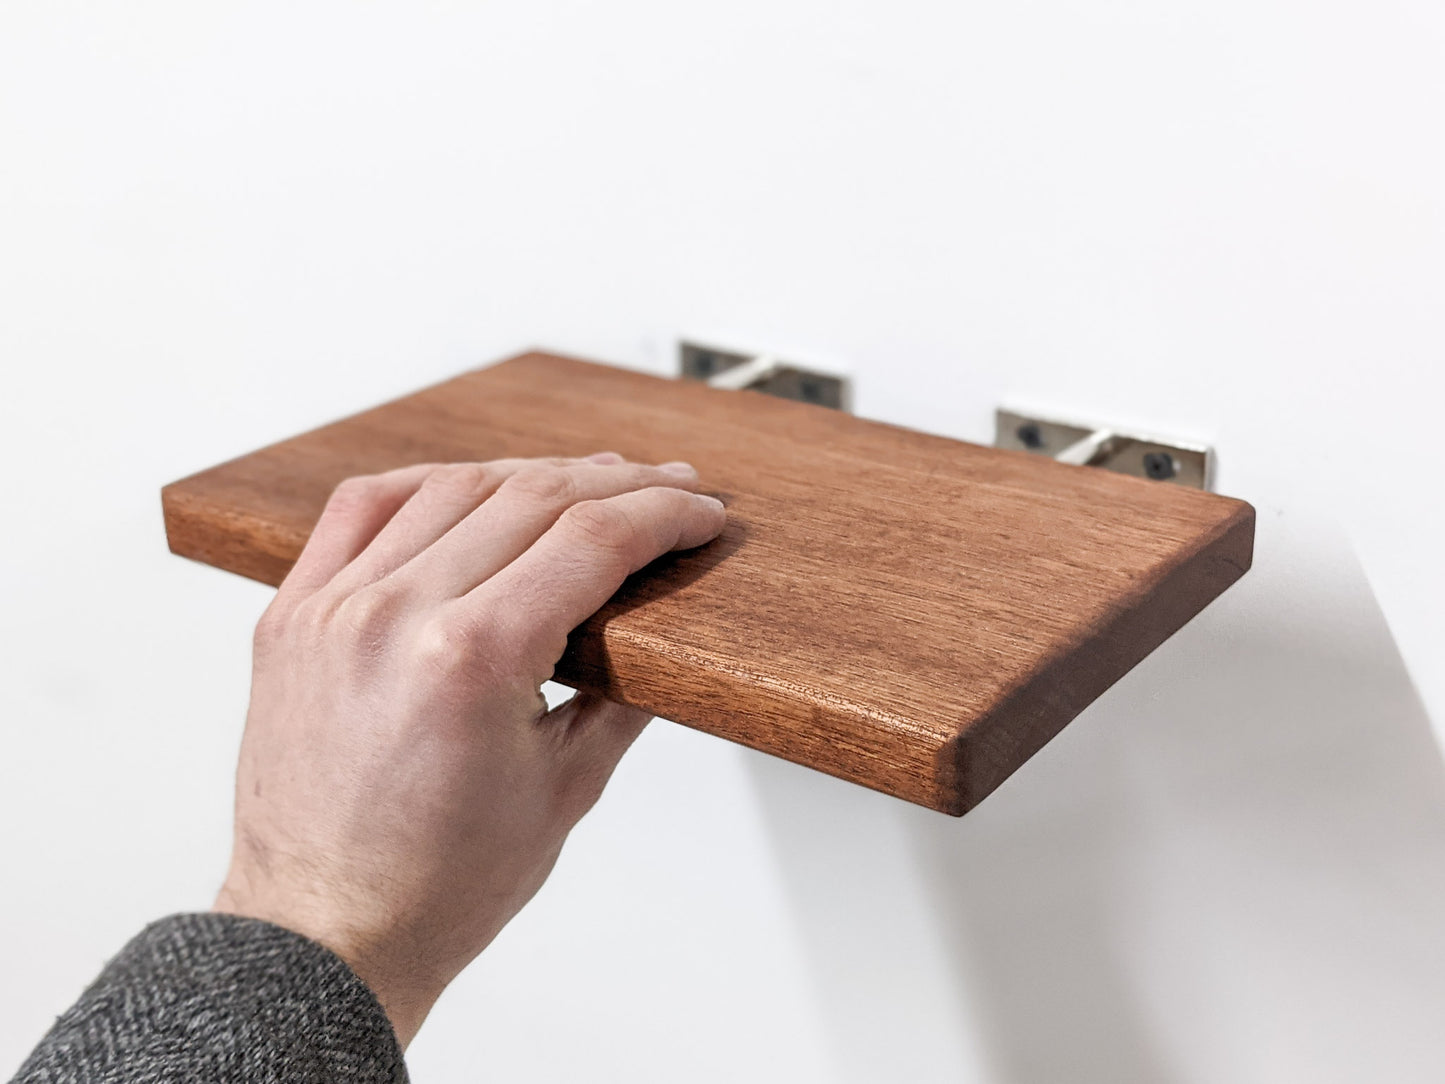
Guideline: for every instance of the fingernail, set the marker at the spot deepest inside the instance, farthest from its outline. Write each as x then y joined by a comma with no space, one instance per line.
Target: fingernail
710,502
604,457
681,469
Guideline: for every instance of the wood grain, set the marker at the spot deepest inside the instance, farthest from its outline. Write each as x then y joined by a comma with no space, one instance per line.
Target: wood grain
905,611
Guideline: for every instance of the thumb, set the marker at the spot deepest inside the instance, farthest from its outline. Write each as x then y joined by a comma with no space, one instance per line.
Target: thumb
594,733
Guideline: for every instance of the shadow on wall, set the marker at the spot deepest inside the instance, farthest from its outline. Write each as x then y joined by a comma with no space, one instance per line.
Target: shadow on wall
1231,867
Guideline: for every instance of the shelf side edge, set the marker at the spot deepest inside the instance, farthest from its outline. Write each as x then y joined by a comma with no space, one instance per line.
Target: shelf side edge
993,747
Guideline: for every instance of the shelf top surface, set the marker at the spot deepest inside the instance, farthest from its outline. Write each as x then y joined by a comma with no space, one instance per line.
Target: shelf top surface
898,588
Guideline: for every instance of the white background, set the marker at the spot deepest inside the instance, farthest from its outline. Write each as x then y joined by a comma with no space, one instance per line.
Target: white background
221,224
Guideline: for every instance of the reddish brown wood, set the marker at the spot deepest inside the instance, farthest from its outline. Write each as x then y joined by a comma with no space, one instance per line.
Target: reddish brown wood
908,612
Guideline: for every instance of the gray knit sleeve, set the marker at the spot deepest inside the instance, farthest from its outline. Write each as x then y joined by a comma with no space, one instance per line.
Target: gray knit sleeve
216,998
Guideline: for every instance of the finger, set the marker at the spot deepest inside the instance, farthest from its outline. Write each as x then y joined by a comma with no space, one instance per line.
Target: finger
521,510
447,495
357,510
579,563
594,733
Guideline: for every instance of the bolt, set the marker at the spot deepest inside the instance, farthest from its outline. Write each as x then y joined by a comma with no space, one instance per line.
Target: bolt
1160,465
1030,436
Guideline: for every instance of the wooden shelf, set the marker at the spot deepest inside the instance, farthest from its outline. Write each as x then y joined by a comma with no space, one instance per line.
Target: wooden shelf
905,611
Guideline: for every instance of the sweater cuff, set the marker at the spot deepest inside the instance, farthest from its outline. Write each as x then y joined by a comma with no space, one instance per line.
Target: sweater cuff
222,998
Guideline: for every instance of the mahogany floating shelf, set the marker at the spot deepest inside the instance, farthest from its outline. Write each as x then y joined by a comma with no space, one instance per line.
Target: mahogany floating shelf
909,612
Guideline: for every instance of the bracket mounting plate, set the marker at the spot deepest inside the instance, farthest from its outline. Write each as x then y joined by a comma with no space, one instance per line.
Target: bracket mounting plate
1121,450
735,370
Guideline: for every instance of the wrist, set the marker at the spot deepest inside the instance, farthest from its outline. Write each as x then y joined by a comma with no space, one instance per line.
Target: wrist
405,996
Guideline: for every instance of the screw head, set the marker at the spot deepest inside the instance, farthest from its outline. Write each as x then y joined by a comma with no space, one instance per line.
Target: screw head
1160,466
1030,436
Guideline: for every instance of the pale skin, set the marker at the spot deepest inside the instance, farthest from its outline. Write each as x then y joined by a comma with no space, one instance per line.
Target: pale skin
403,790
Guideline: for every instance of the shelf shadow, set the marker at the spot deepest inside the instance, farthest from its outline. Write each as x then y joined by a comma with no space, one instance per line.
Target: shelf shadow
1232,866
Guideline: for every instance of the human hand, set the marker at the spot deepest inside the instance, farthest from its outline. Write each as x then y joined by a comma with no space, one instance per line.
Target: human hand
403,790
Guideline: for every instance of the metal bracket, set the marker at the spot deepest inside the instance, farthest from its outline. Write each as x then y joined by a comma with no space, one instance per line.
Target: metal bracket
736,370
1119,450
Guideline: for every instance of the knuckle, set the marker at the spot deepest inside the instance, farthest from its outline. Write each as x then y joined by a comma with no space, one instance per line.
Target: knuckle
370,613
443,646
354,493
464,481
270,627
600,523
311,614
450,645
313,620
541,485
354,499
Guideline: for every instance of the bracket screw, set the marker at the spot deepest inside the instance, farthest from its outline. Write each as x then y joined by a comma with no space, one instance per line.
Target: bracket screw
1160,466
1030,436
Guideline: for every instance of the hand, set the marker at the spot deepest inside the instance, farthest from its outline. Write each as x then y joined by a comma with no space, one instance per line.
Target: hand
403,790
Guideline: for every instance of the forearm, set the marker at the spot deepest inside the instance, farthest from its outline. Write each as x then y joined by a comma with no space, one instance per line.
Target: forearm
222,999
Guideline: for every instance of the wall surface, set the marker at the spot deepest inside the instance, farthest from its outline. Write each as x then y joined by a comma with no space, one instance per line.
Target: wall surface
220,224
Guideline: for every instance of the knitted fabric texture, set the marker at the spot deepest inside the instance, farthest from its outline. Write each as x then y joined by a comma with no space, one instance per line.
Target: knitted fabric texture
217,998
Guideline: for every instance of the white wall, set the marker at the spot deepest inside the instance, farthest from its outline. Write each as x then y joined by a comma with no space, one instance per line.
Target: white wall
1220,219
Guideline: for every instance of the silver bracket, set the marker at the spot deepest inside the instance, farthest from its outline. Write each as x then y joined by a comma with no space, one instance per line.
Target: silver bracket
1121,450
736,371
